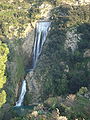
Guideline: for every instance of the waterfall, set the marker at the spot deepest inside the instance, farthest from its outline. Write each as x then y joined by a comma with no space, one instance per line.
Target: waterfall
41,33
23,91
40,37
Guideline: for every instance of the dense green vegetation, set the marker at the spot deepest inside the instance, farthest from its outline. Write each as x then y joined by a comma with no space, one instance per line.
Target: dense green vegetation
13,22
15,71
55,108
3,59
60,70
13,18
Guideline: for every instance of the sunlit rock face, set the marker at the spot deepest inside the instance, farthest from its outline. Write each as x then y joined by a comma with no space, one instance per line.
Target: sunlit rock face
87,53
71,40
45,9
83,1
21,0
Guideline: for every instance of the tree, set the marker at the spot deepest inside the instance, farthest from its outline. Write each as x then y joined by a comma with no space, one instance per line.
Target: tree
2,97
3,59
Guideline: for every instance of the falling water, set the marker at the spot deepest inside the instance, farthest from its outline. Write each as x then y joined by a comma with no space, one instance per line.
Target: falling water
41,34
21,97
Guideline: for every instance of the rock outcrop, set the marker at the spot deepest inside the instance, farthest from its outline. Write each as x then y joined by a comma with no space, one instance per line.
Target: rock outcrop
84,1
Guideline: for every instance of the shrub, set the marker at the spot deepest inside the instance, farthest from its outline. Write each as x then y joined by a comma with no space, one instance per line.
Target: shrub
3,58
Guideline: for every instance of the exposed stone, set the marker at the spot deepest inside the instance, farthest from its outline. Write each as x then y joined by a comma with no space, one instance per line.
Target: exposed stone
27,30
28,45
34,88
16,90
45,9
11,28
87,95
56,115
21,0
11,1
62,118
83,1
71,40
35,113
71,97
66,68
19,8
87,53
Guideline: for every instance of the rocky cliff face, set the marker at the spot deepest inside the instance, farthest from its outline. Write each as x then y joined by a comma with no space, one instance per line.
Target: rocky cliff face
84,1
64,64
27,47
55,73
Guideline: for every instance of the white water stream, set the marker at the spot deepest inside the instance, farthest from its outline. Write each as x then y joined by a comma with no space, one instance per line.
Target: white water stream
41,34
21,97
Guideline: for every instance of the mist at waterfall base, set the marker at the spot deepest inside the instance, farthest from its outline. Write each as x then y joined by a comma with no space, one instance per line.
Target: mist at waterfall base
42,28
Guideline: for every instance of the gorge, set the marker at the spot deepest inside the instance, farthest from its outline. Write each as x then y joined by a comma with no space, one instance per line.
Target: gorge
42,28
44,60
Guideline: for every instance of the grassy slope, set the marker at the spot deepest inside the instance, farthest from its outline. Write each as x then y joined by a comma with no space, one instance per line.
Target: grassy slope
13,18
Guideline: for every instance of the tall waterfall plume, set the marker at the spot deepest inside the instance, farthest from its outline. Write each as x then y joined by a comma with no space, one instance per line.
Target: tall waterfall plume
42,28
41,33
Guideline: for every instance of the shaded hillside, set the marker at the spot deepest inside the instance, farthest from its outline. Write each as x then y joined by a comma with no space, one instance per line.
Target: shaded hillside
63,66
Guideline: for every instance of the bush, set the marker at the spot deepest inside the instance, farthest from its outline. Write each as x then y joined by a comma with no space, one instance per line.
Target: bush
82,91
3,59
